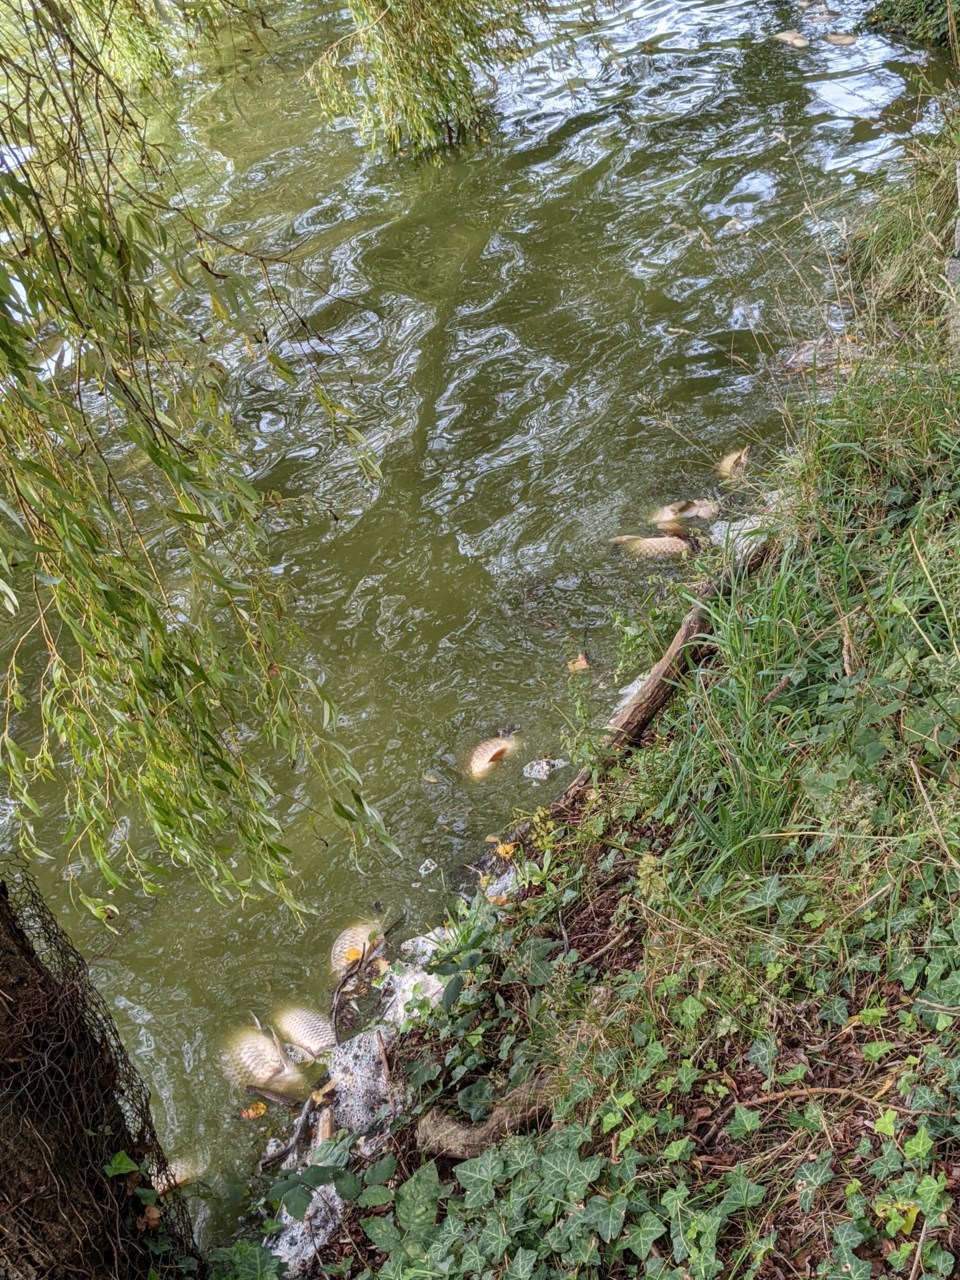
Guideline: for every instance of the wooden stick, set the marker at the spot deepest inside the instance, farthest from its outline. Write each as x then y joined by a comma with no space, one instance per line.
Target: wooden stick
439,1134
687,649
295,1138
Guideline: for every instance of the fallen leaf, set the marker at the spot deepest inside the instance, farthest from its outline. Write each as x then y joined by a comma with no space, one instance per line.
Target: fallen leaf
505,850
430,777
151,1217
253,1112
579,663
497,899
491,839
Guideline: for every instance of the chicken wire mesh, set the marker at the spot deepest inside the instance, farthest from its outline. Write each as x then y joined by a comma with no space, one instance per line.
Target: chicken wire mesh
70,1102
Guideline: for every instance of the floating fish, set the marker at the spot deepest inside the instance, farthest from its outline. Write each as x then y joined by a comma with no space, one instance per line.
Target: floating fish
820,355
488,753
793,38
357,942
178,1173
305,1029
706,509
256,1059
685,509
669,547
733,463
841,38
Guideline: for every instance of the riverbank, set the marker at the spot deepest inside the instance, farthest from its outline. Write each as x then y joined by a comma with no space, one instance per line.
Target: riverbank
714,1030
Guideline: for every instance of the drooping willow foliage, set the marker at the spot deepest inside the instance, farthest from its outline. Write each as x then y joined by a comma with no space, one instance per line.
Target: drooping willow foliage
147,642
411,70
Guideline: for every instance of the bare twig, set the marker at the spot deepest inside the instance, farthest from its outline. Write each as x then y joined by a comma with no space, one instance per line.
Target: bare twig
614,941
296,1137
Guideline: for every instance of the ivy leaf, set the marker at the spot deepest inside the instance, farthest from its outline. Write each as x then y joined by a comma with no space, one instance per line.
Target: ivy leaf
762,1055
886,1124
121,1163
642,1235
811,1177
851,1267
522,1265
848,1235
417,1200
518,1153
919,1146
745,1121
876,1049
494,1238
678,1151
606,1215
741,1192
767,895
834,1011
887,1163
583,1251
423,1073
478,1178
472,1261
690,1012
566,1176
930,1193
477,1099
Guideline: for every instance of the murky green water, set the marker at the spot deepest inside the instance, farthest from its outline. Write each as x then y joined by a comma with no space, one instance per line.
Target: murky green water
544,338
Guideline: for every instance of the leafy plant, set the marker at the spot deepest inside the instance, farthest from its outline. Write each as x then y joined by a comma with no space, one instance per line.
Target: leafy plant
149,643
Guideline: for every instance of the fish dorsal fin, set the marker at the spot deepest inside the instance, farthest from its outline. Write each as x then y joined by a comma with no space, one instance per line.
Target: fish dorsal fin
286,1064
675,527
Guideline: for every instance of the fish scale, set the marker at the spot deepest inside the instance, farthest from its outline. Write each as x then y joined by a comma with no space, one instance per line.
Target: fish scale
665,548
306,1029
487,753
256,1059
357,940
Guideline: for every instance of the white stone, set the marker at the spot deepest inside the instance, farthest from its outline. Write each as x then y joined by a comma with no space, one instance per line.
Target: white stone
540,770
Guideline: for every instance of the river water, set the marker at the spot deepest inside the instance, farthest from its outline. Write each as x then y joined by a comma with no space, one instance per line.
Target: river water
543,338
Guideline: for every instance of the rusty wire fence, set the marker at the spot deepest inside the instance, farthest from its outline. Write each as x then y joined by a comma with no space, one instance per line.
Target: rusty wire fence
71,1207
